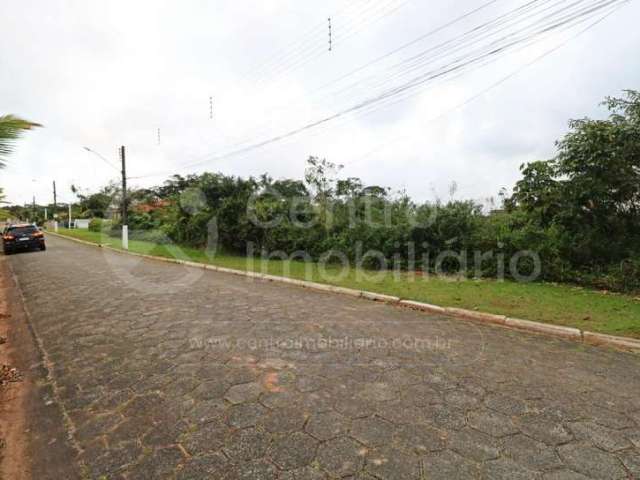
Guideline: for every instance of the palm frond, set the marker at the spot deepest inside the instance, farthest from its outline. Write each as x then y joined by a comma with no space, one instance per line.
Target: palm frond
11,127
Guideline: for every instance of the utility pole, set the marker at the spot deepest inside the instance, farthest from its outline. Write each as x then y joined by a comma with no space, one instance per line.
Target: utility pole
55,201
33,206
125,228
124,186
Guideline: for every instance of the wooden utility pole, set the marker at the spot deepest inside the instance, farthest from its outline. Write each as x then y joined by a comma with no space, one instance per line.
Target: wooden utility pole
124,186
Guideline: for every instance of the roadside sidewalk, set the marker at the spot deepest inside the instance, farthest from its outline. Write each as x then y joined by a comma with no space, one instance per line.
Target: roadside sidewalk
33,438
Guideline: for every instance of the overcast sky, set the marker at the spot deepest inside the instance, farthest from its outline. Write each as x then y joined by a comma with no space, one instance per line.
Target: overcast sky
110,73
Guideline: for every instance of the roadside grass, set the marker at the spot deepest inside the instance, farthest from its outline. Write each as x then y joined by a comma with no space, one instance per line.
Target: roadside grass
558,304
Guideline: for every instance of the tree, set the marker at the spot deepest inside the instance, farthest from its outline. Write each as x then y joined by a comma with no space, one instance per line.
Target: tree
591,189
538,192
600,160
11,127
320,175
176,185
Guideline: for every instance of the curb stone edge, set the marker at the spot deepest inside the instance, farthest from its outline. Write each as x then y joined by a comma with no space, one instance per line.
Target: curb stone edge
547,329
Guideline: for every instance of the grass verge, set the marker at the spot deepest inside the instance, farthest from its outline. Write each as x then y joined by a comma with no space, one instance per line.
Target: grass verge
566,305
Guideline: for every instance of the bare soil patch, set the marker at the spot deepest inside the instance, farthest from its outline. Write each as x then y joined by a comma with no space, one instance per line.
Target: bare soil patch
13,391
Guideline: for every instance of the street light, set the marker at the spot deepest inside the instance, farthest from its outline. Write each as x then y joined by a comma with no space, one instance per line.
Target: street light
101,157
125,229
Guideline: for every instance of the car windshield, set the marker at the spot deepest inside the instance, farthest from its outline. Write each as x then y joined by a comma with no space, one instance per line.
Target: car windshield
23,230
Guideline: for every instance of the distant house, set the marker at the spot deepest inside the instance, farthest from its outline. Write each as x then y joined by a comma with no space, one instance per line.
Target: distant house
81,223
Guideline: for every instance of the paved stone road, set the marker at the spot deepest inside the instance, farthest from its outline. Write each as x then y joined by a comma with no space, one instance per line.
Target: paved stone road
170,372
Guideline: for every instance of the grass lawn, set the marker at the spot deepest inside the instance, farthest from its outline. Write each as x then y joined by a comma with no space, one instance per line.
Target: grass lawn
543,302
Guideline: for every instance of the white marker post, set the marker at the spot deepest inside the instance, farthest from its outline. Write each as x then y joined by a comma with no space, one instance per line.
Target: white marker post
125,237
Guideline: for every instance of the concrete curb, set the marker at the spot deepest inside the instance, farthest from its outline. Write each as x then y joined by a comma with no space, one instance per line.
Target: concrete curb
567,333
478,316
545,328
610,340
379,297
424,307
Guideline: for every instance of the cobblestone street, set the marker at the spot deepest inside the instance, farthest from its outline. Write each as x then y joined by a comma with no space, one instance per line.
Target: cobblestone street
166,371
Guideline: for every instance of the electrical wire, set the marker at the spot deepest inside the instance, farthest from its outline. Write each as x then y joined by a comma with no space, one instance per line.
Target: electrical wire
499,82
322,49
101,157
461,63
459,41
365,112
310,49
384,56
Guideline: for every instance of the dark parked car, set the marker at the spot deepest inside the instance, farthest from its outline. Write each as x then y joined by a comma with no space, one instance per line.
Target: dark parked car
22,237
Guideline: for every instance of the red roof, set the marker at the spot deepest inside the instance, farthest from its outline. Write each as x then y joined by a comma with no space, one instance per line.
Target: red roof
151,206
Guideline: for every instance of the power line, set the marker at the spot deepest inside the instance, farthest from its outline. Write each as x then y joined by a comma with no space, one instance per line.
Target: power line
474,35
298,47
390,102
396,50
501,80
459,64
304,41
350,30
496,47
436,52
315,50
361,105
101,157
413,83
358,27
475,10
387,104
471,40
408,44
388,54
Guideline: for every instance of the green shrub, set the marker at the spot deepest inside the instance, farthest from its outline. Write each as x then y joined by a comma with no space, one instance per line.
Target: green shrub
155,236
96,224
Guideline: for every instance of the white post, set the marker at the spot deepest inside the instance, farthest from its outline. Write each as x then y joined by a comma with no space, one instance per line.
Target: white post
55,226
125,237
70,215
45,214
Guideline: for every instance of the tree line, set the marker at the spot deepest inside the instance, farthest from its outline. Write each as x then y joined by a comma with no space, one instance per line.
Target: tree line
578,211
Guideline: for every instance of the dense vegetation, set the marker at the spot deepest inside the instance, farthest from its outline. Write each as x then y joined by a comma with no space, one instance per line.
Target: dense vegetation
579,211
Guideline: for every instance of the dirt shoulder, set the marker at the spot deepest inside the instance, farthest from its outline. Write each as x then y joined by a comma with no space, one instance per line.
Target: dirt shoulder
33,439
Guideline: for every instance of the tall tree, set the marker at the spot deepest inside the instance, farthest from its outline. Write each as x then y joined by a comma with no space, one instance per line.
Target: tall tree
591,189
11,127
